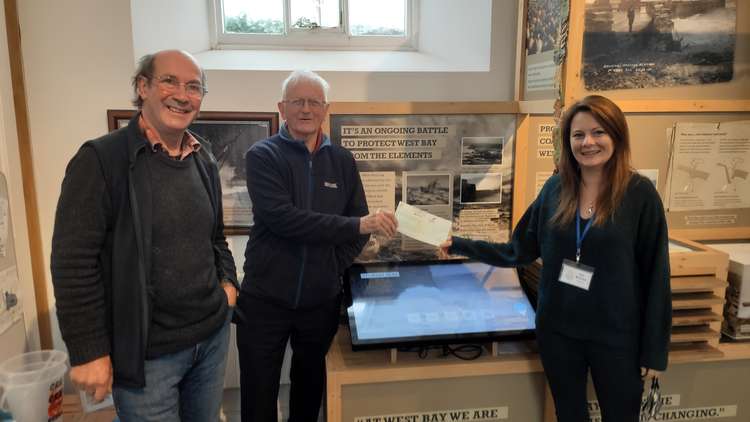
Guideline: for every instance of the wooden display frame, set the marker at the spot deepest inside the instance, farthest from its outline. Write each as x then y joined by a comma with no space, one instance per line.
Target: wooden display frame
699,280
346,368
725,97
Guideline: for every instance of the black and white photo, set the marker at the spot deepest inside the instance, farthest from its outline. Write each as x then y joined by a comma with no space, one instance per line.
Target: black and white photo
655,43
427,188
481,188
481,151
231,134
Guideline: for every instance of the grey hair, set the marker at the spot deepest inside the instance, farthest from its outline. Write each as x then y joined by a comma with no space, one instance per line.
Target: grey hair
304,76
145,70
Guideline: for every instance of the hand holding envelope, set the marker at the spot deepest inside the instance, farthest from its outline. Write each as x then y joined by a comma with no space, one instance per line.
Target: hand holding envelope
380,222
444,247
421,225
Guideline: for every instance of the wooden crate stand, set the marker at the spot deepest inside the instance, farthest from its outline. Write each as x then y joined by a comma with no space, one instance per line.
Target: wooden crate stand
699,282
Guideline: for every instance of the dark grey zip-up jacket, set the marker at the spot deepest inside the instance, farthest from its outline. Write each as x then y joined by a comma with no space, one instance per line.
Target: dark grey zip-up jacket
101,247
306,210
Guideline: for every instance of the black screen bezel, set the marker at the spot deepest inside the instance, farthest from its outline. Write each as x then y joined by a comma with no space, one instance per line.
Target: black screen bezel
432,339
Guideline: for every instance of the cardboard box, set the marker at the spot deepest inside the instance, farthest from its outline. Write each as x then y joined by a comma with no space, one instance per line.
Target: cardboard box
737,308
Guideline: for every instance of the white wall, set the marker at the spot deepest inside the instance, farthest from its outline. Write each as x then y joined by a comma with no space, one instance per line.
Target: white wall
78,57
188,30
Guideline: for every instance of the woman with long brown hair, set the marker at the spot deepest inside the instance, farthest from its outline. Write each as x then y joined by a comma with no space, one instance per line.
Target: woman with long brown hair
604,302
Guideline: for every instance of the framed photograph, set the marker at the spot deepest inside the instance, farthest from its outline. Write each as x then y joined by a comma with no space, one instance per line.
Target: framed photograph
634,44
230,134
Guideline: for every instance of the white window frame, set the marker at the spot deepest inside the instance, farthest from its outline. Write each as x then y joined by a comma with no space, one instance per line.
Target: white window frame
312,39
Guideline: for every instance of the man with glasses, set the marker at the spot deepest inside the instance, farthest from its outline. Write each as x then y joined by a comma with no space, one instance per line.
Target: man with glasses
310,222
143,278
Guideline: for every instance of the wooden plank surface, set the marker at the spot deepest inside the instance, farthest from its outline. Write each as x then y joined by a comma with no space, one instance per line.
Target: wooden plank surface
695,300
694,317
520,170
694,333
693,352
688,284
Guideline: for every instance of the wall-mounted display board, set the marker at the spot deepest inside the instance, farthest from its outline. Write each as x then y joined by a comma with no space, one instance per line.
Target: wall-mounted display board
651,139
632,44
707,175
539,35
452,160
674,56
12,329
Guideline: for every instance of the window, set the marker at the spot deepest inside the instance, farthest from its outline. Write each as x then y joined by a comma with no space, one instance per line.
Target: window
315,24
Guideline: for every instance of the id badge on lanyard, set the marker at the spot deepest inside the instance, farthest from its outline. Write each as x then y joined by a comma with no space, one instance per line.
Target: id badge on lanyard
573,272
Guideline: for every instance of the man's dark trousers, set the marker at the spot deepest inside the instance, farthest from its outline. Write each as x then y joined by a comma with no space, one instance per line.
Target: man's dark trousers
262,335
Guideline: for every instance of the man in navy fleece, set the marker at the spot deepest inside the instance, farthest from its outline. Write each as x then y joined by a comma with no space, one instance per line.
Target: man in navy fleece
311,221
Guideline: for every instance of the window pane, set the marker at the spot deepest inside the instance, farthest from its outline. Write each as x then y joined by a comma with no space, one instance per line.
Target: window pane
382,17
314,13
254,16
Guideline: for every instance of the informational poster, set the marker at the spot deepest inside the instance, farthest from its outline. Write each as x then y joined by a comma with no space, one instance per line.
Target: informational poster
646,44
543,19
10,296
10,311
545,146
457,167
443,415
380,189
709,167
672,410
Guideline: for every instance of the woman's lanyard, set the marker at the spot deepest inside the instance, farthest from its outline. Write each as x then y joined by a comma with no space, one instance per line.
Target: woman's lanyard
579,235
575,273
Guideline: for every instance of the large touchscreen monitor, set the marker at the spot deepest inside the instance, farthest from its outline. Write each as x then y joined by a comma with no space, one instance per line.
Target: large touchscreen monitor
402,304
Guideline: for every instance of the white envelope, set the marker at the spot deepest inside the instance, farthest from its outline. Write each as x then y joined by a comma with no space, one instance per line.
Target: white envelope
421,225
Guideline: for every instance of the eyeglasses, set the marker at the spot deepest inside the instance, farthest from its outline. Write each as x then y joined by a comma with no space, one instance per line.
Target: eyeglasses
652,404
300,103
170,84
